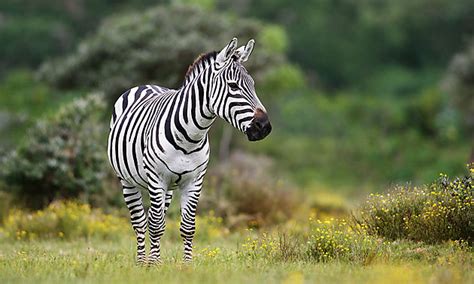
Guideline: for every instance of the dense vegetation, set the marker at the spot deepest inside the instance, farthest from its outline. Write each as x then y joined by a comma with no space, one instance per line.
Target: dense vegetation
57,162
369,127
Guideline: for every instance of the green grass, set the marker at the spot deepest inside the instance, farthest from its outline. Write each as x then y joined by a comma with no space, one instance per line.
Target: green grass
95,261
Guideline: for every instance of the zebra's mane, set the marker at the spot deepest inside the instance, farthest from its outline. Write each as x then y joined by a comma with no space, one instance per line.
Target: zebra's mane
198,65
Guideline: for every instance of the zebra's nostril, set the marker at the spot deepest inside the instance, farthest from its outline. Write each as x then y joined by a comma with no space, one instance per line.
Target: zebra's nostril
258,125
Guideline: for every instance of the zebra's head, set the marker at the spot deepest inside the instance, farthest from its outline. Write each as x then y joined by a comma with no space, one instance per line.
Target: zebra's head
233,97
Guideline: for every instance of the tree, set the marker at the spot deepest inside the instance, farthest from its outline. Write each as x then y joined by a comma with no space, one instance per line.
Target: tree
156,46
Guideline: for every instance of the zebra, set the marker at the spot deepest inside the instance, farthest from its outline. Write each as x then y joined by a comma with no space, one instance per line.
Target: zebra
158,140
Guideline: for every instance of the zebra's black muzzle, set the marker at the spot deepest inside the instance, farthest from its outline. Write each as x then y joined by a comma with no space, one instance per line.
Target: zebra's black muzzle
260,126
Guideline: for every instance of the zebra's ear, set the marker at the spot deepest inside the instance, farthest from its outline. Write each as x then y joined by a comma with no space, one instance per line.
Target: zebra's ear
244,56
227,52
239,52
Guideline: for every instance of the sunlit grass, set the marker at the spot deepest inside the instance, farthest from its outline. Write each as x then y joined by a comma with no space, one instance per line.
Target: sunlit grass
99,261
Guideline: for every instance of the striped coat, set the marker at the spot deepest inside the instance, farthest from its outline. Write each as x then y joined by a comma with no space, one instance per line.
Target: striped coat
158,139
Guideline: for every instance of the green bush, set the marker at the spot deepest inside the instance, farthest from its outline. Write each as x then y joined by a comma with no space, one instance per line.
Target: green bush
61,157
443,210
64,220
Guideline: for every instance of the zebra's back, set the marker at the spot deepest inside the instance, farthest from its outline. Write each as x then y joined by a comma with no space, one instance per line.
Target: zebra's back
131,97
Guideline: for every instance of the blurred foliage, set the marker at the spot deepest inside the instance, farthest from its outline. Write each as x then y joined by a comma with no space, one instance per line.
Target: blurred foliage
378,118
339,43
64,220
342,43
157,46
6,204
22,101
242,192
56,161
360,139
32,31
441,211
459,82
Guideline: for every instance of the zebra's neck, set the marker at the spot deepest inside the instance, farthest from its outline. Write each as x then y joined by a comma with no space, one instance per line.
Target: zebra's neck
198,66
193,116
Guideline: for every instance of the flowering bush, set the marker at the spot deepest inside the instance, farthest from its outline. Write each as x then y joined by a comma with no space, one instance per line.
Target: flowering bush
63,220
326,240
334,239
443,210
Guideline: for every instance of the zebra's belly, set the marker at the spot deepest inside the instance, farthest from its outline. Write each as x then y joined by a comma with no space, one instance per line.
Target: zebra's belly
173,166
128,159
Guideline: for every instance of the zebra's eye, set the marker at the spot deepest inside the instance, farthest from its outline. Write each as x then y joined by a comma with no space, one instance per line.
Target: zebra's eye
233,86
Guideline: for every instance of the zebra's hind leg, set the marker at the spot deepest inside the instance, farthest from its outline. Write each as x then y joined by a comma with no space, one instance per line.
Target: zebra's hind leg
133,199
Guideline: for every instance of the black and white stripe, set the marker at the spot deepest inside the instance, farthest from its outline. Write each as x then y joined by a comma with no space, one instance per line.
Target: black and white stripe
158,139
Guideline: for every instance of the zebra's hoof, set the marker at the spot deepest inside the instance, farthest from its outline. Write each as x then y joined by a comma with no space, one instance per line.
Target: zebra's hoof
154,262
141,262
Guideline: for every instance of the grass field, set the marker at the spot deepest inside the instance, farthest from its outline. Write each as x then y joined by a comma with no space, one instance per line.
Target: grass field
219,261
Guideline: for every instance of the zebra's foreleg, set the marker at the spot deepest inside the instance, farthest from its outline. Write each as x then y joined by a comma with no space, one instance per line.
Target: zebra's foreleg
133,199
156,222
189,201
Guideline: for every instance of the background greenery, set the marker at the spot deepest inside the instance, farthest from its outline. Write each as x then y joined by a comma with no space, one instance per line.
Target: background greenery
362,95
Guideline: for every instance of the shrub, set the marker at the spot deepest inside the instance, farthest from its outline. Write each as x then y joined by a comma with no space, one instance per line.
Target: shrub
244,192
337,240
334,239
324,241
438,212
64,220
62,157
